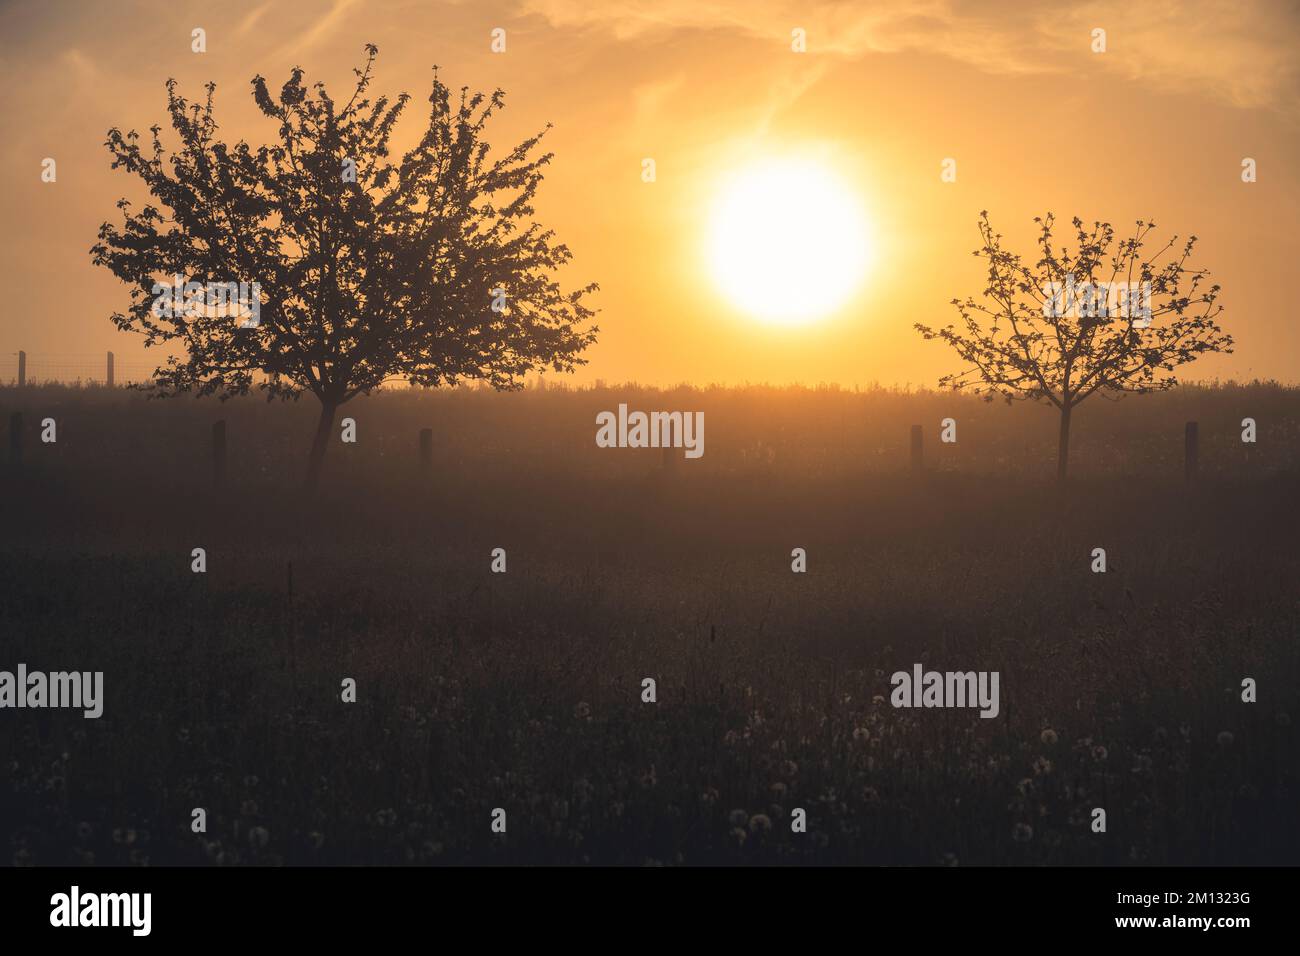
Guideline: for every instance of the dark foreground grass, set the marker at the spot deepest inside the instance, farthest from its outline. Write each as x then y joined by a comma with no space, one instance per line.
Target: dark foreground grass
523,691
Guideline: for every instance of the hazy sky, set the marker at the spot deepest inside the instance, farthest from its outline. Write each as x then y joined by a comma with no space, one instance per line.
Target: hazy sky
1154,128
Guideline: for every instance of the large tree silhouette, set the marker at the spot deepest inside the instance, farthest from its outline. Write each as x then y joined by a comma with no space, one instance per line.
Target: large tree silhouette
429,270
1107,318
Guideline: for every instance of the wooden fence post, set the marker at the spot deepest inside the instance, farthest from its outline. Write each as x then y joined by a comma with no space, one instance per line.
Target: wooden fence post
1191,451
917,457
110,369
426,449
219,451
22,368
16,438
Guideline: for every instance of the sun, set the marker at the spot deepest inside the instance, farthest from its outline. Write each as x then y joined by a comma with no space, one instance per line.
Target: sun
788,241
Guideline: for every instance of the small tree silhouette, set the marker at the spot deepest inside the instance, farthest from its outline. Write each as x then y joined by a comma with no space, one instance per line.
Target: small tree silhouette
1106,319
429,271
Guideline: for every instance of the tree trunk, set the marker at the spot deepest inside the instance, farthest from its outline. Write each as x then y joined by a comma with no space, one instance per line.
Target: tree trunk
320,442
1063,445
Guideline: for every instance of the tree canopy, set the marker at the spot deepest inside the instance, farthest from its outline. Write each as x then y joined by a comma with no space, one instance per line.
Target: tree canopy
430,269
1109,317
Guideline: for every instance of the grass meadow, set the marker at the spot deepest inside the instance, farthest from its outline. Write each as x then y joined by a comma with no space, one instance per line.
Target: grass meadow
522,690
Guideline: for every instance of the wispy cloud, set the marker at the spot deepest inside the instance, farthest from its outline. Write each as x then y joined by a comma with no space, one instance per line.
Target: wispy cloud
1240,53
322,30
250,21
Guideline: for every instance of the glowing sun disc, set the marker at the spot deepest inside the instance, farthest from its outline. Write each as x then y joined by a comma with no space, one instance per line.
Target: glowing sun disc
787,241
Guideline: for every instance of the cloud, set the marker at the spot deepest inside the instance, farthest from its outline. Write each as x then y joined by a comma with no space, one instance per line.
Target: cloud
1239,53
81,64
250,21
322,30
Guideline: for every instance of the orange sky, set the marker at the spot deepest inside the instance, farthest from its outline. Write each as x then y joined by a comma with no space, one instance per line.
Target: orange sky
1155,128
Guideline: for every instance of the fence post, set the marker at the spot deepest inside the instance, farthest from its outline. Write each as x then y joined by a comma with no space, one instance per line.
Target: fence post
426,449
110,369
22,368
16,438
917,458
1191,451
219,451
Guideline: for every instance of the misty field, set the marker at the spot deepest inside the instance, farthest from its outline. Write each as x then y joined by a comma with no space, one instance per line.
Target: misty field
522,690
